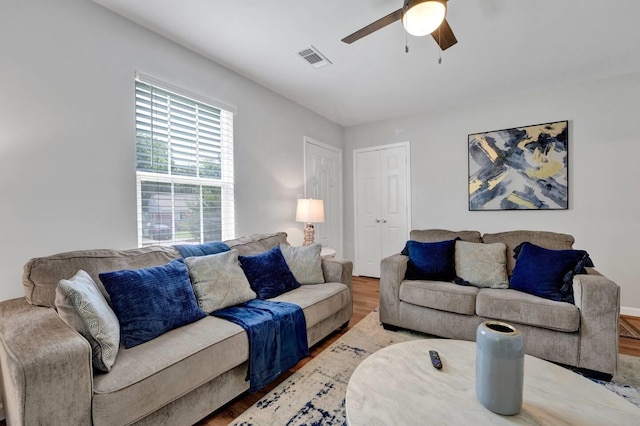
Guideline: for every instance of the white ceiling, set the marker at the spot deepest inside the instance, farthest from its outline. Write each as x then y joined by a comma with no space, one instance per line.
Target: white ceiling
504,47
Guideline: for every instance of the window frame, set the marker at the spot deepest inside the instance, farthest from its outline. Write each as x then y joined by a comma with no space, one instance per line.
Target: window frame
225,182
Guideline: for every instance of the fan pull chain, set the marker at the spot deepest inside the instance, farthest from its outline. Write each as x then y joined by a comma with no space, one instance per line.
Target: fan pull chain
439,48
406,42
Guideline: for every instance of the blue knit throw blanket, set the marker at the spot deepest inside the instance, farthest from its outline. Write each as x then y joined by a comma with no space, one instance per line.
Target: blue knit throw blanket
277,334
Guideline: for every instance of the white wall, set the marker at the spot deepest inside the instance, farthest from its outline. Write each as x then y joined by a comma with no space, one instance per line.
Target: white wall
604,176
67,138
67,154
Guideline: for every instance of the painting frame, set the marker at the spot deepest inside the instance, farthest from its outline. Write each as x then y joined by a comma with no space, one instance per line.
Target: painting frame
520,168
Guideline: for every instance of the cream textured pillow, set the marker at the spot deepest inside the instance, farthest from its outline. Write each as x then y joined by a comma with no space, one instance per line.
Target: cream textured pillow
305,262
482,265
82,306
218,281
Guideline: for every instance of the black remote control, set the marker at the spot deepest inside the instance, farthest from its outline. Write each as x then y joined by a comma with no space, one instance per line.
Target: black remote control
435,359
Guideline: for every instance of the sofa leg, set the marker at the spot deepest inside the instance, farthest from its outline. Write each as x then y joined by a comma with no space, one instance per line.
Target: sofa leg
390,327
343,326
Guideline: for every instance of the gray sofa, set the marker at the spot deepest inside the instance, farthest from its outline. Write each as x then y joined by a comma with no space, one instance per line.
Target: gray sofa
584,335
177,378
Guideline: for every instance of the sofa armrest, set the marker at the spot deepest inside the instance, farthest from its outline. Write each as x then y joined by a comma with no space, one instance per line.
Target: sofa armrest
46,367
598,299
392,271
338,271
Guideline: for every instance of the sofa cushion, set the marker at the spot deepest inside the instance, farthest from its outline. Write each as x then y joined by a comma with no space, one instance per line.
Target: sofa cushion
213,247
41,275
514,306
257,243
434,235
304,262
318,302
268,273
431,261
482,265
548,273
218,281
151,301
82,307
513,239
440,295
146,377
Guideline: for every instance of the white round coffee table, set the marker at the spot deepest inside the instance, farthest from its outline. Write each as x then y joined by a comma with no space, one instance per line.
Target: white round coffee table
398,385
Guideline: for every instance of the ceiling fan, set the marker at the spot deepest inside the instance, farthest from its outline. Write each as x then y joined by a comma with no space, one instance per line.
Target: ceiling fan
419,18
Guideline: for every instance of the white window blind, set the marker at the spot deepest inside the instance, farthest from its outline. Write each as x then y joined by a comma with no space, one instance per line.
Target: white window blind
184,167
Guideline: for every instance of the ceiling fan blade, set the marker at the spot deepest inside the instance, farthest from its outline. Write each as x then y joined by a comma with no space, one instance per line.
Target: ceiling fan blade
375,26
444,36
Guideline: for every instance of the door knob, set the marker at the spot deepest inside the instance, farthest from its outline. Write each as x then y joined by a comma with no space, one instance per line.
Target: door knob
377,220
384,220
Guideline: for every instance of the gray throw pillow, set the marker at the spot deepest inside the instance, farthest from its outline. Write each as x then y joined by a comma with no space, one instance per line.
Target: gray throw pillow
219,281
304,262
482,265
82,306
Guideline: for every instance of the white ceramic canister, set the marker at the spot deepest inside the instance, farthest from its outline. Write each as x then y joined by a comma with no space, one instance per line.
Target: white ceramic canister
499,367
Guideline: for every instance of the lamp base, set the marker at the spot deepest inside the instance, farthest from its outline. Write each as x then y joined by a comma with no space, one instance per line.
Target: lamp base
309,234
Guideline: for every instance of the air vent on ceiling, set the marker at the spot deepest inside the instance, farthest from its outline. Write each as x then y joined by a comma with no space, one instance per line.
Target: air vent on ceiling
314,57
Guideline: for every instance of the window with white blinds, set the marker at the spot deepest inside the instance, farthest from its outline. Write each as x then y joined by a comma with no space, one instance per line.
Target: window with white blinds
184,167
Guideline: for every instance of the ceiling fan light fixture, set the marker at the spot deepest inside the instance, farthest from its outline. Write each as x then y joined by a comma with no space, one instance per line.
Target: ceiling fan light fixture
422,17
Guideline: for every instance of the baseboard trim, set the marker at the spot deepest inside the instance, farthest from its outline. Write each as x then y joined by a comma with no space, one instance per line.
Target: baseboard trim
632,312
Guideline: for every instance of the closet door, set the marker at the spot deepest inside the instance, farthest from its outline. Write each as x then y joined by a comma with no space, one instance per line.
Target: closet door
393,201
368,217
381,204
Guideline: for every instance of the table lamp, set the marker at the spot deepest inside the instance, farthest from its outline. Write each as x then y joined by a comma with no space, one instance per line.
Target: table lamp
308,211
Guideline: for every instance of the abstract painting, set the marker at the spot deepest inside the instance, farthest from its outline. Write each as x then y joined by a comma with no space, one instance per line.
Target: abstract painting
524,168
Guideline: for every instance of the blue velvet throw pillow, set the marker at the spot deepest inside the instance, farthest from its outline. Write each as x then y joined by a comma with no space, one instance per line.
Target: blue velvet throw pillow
191,250
431,261
547,273
151,301
268,273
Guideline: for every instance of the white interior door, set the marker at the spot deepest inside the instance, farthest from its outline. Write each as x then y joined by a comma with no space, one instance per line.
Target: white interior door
393,201
368,213
323,180
382,205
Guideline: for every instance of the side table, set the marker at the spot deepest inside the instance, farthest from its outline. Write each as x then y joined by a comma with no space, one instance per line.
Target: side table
327,253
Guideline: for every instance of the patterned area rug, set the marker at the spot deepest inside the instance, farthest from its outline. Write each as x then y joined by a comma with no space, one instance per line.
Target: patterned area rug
628,330
314,395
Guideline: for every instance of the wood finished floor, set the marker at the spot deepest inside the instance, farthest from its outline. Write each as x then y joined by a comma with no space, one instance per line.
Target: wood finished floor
630,346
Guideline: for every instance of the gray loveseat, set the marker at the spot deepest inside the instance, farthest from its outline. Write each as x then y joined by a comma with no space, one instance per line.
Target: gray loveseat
583,335
176,378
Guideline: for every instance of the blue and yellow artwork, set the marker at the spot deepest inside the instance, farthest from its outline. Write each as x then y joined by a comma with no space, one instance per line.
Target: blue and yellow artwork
524,168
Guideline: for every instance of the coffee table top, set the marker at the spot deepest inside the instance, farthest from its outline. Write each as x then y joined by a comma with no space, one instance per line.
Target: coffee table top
398,385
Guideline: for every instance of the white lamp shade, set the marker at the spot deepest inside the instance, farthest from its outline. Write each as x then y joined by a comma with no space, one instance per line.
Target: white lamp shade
310,210
424,17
